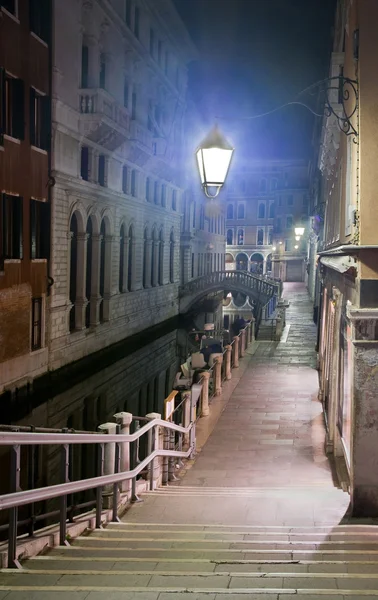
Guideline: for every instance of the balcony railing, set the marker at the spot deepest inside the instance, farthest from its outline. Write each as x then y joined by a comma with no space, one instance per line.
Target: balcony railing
103,120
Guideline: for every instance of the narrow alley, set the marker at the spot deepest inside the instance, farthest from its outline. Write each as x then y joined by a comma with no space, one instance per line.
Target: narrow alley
257,515
264,463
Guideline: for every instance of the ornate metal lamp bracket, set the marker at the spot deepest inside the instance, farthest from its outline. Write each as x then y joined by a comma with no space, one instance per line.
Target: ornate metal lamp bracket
348,99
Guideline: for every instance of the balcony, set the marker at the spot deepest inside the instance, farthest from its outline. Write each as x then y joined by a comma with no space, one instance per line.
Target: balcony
102,119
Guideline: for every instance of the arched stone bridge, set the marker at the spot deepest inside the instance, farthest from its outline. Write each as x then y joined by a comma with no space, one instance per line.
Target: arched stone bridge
258,288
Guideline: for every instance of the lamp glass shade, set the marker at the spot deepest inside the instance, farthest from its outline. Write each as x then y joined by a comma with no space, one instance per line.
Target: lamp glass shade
299,230
213,165
213,158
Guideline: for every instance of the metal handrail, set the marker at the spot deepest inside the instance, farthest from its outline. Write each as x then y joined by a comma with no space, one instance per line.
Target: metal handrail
17,497
23,498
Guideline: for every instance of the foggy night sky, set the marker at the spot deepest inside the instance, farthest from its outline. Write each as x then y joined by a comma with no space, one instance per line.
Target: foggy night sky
254,56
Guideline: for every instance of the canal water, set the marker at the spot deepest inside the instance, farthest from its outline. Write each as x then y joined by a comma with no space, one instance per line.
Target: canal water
135,376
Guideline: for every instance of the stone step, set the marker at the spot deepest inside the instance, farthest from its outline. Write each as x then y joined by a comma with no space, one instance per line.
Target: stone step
122,541
57,563
223,554
72,593
231,536
174,581
137,526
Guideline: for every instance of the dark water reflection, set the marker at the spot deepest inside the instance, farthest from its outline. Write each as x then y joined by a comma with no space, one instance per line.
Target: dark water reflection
134,376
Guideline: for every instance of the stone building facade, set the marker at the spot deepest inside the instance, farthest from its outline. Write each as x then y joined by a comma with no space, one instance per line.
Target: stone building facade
344,244
265,201
119,93
24,189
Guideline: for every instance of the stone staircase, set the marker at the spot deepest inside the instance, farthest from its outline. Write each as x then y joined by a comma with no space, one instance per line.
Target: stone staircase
133,560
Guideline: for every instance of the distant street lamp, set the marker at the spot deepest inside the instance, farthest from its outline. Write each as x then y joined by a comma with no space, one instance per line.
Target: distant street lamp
299,230
214,157
296,246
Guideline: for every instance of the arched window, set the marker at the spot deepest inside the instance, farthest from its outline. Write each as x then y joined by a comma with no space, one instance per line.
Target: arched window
272,211
270,237
156,193
171,257
124,179
161,259
148,189
145,258
73,270
134,183
153,259
230,211
261,214
230,237
121,275
88,278
174,200
164,195
130,259
102,269
260,237
241,211
240,237
273,184
263,185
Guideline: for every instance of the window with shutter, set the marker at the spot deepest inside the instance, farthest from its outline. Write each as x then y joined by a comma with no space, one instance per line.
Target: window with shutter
14,107
101,170
10,6
12,226
36,341
39,120
39,18
39,229
84,163
2,105
84,66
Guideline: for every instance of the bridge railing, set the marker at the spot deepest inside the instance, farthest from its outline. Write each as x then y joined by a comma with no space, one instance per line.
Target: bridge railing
248,282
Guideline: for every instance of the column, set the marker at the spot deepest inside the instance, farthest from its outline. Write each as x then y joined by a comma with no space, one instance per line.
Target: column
205,394
242,343
95,298
218,375
235,352
228,362
81,299
155,278
124,420
107,277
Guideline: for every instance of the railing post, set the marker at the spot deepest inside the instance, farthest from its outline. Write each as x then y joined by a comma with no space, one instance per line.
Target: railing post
187,399
109,460
100,472
235,357
65,465
242,343
124,420
252,332
117,468
218,375
205,394
228,362
153,440
15,466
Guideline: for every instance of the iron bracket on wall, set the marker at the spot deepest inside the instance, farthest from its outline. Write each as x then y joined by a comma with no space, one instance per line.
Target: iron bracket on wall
348,99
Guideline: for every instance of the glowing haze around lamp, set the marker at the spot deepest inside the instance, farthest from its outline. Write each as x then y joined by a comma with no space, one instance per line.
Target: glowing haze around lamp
299,230
213,158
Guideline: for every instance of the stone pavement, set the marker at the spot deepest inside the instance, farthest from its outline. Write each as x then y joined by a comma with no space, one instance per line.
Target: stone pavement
264,462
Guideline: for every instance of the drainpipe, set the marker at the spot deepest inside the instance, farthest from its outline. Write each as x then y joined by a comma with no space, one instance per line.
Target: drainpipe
50,182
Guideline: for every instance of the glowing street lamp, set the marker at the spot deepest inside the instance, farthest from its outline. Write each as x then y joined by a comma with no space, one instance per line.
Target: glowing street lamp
297,238
296,246
214,157
299,230
274,248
